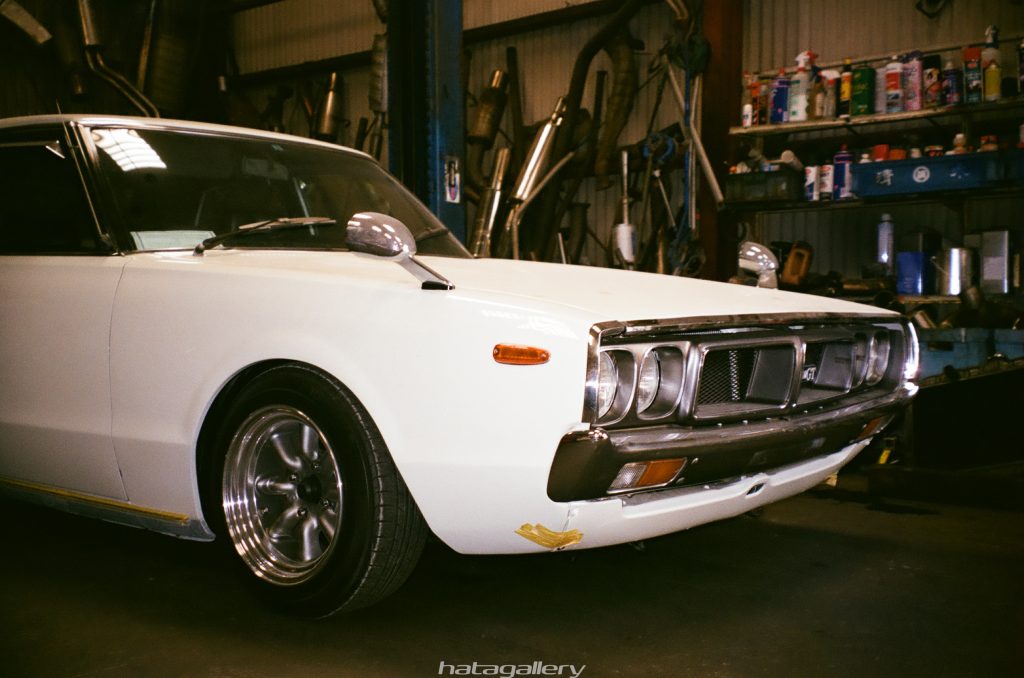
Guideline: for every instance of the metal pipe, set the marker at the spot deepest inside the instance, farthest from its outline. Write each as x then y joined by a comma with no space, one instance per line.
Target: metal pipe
490,203
95,62
693,136
330,110
25,21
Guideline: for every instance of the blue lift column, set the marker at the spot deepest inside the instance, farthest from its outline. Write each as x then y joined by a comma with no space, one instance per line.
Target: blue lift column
425,104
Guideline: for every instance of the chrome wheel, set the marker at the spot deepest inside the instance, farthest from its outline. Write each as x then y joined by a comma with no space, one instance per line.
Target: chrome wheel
282,495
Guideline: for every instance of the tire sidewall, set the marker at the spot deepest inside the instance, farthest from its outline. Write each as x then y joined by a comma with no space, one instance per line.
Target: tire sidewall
334,411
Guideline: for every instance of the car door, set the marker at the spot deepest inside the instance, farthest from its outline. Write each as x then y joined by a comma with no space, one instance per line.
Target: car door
57,285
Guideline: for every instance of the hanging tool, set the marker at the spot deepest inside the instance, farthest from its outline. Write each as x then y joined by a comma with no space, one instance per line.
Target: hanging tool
25,21
620,102
544,231
526,184
490,203
624,232
481,135
95,62
328,116
692,136
378,94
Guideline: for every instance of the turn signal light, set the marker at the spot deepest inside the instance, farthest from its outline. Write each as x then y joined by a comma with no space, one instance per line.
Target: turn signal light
873,427
507,354
641,474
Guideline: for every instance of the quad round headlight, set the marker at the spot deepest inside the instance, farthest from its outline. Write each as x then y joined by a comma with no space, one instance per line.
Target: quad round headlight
607,383
649,382
879,349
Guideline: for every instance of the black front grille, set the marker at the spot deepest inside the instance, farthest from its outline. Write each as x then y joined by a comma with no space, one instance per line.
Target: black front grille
725,377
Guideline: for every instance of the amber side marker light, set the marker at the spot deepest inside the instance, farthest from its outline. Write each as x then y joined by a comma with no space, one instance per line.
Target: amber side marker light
507,354
640,474
873,427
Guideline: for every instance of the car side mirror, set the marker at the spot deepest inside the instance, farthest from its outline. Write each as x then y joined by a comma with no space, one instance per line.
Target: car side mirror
756,258
384,236
380,235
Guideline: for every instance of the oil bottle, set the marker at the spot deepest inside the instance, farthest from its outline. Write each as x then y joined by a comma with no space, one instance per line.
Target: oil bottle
993,74
845,89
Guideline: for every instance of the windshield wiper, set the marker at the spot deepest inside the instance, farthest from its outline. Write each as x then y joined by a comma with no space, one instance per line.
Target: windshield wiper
283,223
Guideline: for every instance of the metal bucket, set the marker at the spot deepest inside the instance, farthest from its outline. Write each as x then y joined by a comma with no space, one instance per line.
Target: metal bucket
954,270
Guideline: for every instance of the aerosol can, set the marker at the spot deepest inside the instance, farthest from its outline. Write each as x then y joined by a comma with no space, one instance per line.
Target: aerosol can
625,233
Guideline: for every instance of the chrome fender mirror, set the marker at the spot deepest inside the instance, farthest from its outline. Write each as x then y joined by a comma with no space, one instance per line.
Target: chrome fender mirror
380,235
756,258
384,236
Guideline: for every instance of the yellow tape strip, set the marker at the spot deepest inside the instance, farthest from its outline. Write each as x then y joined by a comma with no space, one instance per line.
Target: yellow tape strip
549,539
101,501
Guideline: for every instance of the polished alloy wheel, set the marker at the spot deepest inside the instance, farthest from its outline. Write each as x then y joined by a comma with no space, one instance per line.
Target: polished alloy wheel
282,495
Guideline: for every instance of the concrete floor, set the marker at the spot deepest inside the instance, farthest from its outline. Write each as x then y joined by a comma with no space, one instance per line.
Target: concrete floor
826,584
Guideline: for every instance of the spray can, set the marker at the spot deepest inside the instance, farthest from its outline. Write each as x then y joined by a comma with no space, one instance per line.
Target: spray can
912,81
880,89
931,81
842,181
830,81
799,88
826,185
952,84
972,75
780,98
894,86
863,100
993,73
845,89
812,187
886,247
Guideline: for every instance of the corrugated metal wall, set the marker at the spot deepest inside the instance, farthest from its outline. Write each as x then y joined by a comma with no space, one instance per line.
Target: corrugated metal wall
775,31
546,59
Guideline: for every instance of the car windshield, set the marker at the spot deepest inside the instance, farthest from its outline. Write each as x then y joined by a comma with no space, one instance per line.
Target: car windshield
172,190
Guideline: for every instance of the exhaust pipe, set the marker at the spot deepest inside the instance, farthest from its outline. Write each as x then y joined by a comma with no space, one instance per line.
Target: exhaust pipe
94,60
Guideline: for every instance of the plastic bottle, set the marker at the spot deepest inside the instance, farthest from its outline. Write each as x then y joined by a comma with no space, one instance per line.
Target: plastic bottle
830,81
886,232
912,81
1020,67
931,81
993,73
842,176
972,75
894,86
799,87
952,84
880,89
747,105
845,89
780,98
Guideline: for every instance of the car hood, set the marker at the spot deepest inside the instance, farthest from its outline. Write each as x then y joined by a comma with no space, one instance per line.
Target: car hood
610,294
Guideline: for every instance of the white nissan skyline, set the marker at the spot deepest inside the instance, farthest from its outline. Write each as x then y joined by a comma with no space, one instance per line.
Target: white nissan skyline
221,333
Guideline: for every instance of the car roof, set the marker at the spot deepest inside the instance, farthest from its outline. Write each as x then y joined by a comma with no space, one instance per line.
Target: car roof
102,120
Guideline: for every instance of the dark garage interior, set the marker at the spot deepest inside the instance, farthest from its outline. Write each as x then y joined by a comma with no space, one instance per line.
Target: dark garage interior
838,459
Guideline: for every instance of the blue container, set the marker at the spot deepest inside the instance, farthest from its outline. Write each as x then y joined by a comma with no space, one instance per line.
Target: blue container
915,273
957,348
1009,342
922,175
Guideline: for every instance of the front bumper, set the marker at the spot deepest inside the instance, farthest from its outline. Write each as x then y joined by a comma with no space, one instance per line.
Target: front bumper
586,463
616,520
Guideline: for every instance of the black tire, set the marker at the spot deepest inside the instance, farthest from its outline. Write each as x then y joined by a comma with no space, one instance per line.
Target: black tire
301,483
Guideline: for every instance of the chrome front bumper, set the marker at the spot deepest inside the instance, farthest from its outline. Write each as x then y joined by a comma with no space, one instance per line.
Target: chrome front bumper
586,463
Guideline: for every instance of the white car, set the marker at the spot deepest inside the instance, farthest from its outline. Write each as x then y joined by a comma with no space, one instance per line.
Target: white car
218,332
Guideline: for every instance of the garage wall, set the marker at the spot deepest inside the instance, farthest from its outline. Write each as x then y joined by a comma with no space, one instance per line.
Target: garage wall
546,58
